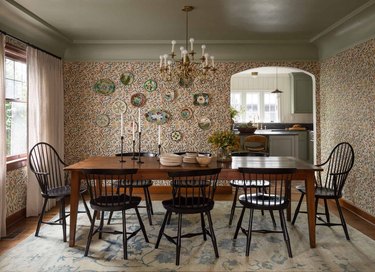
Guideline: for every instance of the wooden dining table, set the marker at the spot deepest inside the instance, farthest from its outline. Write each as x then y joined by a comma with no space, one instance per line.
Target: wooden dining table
150,168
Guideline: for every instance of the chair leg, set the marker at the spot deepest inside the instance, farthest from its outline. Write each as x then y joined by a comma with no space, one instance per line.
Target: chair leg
149,200
326,211
178,244
285,233
297,209
249,230
109,218
203,224
62,207
342,220
148,208
90,233
169,218
233,206
101,225
141,224
273,219
124,235
213,237
41,217
162,229
86,207
239,223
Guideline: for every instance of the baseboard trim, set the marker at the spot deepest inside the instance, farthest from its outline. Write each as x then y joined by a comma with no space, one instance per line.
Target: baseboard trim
357,211
15,218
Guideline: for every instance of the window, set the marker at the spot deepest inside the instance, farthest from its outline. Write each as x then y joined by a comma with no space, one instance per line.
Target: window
15,105
255,106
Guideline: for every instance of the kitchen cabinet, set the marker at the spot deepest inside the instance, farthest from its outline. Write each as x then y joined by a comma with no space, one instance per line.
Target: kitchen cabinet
302,93
283,145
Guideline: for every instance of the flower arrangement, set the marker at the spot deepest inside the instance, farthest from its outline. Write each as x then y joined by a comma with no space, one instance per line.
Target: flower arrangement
223,139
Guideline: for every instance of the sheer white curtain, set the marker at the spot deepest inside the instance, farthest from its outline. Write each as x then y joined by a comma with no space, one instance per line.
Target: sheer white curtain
45,114
3,168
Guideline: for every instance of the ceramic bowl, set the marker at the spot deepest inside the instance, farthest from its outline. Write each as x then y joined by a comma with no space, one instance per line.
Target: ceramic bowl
203,160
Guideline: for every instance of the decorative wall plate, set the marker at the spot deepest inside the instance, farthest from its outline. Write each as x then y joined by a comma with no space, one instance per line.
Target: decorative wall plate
186,113
169,95
185,82
150,85
176,136
138,99
201,99
204,123
119,107
157,116
104,86
127,78
102,120
129,128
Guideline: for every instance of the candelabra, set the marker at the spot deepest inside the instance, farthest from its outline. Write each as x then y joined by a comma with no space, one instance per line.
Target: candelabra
159,147
122,149
134,158
139,147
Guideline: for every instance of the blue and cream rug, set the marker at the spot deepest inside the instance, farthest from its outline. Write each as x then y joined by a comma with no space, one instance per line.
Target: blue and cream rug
268,251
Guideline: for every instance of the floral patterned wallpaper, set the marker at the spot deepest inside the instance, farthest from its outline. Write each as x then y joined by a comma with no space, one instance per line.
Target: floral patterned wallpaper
84,138
348,114
16,190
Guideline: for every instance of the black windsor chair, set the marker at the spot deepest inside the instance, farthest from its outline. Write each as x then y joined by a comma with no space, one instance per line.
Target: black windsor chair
330,186
48,168
276,197
192,193
105,197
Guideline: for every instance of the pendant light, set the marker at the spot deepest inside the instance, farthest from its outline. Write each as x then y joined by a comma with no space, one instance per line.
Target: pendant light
277,91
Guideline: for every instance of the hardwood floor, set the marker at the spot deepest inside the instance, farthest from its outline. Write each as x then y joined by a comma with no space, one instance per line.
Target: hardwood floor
26,227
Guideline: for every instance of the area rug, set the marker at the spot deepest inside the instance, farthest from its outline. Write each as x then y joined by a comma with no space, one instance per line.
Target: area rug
268,251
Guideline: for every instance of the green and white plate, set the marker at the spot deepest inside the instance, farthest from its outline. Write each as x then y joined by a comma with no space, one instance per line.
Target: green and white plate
127,78
150,85
104,86
176,136
119,107
186,113
102,120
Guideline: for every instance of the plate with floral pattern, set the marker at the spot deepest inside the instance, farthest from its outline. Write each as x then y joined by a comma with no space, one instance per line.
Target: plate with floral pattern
127,78
204,123
201,99
176,136
119,107
104,86
157,116
150,85
186,113
169,95
138,99
102,120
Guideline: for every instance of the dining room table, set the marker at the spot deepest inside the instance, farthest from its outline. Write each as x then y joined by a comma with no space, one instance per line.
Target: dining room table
150,168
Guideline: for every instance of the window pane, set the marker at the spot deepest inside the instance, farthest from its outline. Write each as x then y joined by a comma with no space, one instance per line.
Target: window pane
20,71
235,102
9,68
270,108
252,107
15,128
9,88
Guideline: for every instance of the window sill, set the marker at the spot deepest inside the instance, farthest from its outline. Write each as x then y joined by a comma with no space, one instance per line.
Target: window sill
16,164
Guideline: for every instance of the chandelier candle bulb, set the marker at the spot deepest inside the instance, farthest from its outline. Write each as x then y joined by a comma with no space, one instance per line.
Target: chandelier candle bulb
173,43
181,50
203,47
213,63
161,61
191,44
206,58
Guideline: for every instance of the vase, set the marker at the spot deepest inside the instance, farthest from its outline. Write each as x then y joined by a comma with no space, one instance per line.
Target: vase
224,154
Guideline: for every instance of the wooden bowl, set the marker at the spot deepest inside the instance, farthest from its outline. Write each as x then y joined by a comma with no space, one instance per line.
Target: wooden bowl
203,160
250,130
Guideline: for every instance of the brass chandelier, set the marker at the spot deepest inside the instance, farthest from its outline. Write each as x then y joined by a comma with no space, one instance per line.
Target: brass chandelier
184,68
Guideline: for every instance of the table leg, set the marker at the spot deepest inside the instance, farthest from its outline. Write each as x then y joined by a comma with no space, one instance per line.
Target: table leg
310,202
74,199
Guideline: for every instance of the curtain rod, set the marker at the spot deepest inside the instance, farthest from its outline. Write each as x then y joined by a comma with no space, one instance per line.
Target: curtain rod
29,44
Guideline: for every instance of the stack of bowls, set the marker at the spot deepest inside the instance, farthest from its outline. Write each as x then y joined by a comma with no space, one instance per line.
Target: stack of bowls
170,159
190,157
203,160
